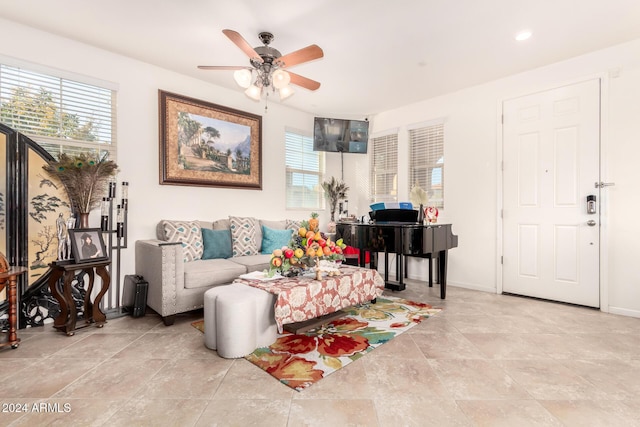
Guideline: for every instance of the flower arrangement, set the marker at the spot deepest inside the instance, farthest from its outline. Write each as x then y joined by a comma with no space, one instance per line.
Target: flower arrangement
305,250
84,178
418,196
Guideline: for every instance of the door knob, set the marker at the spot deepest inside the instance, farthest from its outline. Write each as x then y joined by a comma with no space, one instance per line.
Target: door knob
591,223
604,184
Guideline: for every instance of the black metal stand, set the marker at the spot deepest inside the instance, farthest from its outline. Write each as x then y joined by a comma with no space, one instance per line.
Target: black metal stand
117,240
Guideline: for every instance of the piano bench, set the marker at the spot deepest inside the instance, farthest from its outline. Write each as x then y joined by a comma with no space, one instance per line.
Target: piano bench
352,256
352,260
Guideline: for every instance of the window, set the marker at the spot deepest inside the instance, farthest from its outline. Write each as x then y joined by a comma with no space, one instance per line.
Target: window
384,168
62,115
426,161
304,170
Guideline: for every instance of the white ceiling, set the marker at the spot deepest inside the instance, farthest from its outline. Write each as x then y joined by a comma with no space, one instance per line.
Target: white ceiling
378,54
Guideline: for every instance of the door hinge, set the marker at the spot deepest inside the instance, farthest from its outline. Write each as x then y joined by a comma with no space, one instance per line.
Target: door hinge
501,259
502,119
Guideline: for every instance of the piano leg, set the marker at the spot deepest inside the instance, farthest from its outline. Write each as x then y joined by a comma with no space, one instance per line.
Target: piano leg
430,258
386,266
399,269
442,273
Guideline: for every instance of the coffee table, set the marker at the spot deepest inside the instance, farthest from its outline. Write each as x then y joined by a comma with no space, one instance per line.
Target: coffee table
301,298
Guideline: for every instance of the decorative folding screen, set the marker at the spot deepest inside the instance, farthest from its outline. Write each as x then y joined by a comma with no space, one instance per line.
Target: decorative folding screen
30,203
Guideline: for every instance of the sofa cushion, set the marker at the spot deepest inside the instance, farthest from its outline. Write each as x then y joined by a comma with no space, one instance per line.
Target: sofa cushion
274,239
222,224
217,243
160,235
293,225
254,262
275,225
188,233
211,272
243,235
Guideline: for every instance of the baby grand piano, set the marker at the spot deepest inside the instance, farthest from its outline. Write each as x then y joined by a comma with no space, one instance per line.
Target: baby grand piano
396,231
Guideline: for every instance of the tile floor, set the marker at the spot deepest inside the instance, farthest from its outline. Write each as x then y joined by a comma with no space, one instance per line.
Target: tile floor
486,360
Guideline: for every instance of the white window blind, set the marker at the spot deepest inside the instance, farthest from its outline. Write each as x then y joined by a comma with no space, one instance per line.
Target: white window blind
384,168
426,161
304,172
62,115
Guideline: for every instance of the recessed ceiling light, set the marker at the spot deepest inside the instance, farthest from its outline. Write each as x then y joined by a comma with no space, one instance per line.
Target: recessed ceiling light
523,35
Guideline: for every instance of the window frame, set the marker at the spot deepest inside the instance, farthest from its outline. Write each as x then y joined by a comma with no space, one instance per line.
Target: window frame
64,86
383,167
305,149
427,161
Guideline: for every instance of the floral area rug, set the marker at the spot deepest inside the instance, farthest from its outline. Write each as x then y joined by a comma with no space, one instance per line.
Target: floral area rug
299,360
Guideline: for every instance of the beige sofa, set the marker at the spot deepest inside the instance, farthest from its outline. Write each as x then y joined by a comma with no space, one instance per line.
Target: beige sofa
180,266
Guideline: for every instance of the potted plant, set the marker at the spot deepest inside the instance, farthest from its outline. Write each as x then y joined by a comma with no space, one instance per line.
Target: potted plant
334,190
85,180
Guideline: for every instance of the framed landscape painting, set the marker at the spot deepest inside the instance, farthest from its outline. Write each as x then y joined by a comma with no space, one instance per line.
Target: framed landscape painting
205,144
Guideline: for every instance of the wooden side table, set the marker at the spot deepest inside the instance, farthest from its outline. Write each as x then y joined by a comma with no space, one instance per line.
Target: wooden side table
9,280
66,320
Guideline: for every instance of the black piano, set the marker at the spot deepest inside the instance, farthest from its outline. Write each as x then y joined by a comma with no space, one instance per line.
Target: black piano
396,231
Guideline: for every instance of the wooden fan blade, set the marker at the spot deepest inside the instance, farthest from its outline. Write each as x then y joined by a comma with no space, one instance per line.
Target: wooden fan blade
239,41
305,54
221,67
304,82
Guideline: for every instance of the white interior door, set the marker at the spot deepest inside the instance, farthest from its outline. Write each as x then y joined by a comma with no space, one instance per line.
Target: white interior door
551,153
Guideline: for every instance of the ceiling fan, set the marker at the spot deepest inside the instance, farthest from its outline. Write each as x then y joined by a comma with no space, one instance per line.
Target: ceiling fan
269,65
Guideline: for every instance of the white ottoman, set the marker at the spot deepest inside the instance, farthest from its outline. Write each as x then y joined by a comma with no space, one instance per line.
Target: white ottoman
238,319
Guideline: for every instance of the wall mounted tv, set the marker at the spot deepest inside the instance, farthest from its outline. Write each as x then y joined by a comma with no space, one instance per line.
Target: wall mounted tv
339,135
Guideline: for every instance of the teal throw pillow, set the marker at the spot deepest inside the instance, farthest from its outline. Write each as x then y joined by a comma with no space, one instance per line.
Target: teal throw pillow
217,243
274,239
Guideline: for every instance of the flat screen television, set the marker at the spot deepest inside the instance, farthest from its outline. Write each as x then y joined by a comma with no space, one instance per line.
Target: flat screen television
340,135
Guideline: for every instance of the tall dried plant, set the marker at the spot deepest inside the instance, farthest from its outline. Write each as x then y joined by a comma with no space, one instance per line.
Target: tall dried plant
84,178
334,190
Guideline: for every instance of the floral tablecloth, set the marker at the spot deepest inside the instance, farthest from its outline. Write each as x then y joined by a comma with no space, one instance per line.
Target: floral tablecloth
303,297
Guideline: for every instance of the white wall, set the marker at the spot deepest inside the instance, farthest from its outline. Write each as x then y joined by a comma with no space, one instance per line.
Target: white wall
138,140
471,153
472,142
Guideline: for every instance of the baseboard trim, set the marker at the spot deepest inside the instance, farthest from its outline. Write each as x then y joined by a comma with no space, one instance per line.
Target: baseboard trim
624,311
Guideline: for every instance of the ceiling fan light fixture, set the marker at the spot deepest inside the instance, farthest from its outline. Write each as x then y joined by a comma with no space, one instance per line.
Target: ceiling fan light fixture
285,92
243,77
280,79
267,64
254,92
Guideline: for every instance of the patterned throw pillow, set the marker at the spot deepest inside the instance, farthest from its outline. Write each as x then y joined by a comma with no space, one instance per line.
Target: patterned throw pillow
243,235
189,234
293,225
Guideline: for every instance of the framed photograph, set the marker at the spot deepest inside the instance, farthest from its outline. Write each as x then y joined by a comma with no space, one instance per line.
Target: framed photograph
204,144
87,245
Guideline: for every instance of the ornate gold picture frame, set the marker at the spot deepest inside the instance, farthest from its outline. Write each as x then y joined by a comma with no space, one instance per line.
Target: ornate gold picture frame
204,144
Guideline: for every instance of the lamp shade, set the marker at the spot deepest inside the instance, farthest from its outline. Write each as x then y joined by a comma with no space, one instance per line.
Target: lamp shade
243,77
280,79
253,92
285,92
